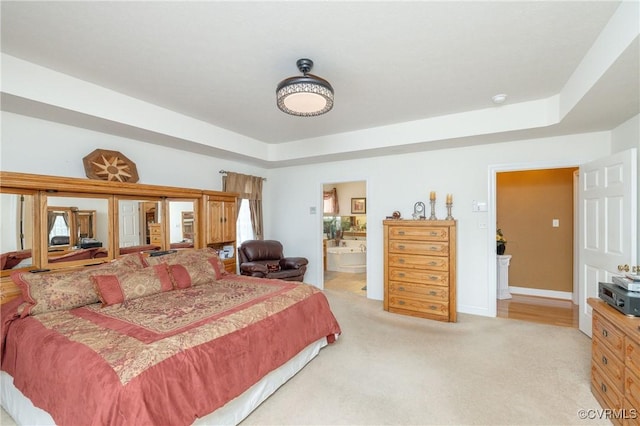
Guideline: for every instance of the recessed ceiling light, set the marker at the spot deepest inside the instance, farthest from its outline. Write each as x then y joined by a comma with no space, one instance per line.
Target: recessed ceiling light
499,99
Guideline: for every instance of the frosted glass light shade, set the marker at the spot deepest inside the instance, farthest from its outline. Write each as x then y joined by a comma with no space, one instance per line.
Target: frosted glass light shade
305,96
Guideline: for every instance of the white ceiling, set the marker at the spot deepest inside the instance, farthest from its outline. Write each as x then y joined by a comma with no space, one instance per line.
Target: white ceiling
389,62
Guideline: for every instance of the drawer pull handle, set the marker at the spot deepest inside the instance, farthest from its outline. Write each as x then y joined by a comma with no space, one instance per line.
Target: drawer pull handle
433,308
400,232
603,387
401,247
401,260
401,274
433,233
604,360
433,278
433,292
605,333
400,288
433,263
400,302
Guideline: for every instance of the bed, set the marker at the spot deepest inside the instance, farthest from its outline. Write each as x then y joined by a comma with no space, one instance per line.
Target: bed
165,340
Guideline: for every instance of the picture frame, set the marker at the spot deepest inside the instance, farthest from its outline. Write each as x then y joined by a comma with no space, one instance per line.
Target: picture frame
358,205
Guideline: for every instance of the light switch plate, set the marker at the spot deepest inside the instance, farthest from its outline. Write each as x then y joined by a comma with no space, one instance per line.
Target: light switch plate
478,206
555,223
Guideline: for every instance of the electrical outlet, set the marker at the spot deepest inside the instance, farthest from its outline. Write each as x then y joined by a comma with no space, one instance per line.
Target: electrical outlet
555,223
312,210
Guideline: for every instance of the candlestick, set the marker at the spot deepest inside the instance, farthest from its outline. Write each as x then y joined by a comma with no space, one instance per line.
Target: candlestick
449,217
449,198
433,208
432,196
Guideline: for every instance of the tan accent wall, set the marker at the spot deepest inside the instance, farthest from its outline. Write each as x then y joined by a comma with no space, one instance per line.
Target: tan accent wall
527,204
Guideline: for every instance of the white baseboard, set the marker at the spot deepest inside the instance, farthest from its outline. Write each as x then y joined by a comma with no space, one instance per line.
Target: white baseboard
566,295
474,310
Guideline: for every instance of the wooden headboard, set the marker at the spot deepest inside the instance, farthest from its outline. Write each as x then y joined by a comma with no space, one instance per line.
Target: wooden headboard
214,215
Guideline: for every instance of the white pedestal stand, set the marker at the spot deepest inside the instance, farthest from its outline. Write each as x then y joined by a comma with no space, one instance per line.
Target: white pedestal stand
503,276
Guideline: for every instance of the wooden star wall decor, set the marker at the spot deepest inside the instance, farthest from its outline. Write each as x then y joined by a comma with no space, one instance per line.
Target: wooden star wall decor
113,166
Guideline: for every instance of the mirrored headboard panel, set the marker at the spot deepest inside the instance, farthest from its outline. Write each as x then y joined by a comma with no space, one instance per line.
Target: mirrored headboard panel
183,221
17,230
140,224
77,228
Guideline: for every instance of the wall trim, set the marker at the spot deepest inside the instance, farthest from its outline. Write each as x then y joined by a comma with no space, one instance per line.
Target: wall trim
565,295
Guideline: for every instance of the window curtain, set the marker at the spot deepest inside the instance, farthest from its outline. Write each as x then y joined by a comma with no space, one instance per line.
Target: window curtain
51,220
53,215
331,202
249,188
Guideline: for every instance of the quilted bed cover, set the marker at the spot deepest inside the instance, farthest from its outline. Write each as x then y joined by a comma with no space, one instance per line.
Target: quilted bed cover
167,358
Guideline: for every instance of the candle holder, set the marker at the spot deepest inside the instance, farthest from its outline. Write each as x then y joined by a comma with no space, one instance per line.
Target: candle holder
433,210
449,217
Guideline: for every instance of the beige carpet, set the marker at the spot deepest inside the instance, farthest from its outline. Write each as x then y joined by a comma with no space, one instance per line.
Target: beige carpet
391,369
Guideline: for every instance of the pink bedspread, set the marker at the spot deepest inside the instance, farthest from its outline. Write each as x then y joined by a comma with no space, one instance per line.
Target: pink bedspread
163,359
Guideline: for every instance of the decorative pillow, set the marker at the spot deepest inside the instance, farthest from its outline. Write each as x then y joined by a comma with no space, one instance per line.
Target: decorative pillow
273,267
191,274
47,292
131,261
202,262
114,289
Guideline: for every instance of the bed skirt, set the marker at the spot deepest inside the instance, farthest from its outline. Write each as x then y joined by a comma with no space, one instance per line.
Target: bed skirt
24,412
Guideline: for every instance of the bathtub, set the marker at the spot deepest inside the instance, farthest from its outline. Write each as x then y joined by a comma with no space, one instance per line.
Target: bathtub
347,259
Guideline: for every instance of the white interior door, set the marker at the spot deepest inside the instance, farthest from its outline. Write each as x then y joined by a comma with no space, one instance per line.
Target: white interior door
129,223
607,224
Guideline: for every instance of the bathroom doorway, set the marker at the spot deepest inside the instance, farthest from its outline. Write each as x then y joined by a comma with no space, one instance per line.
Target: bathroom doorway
344,237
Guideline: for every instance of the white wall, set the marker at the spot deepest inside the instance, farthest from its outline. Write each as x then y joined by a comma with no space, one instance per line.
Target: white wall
626,135
396,183
31,145
392,183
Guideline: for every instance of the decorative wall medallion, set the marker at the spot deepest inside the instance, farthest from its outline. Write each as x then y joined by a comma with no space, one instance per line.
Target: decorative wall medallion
102,164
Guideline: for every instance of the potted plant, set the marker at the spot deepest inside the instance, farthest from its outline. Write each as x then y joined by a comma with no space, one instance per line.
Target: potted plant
501,243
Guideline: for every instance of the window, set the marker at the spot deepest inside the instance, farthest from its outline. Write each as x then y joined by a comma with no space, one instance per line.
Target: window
243,225
60,228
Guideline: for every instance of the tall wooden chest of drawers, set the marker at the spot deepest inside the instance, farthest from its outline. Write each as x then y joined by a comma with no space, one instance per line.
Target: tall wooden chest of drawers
615,363
420,268
155,234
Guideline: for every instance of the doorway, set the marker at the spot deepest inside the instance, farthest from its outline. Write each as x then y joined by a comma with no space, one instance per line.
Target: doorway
535,213
344,237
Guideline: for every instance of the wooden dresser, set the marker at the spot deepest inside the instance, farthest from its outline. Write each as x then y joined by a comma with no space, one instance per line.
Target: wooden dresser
615,363
155,234
420,268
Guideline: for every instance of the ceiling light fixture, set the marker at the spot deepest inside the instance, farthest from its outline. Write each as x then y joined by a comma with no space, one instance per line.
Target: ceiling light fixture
305,96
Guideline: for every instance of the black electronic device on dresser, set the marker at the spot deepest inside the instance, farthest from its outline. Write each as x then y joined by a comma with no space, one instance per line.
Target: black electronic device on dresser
621,295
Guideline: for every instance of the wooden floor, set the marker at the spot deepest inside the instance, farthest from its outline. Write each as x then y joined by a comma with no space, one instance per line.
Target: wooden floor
539,309
525,308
